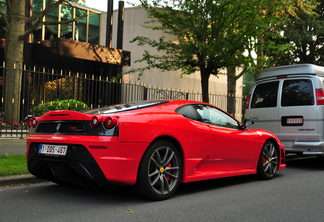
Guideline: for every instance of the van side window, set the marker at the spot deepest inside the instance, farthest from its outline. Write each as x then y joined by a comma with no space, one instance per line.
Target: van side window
297,92
265,95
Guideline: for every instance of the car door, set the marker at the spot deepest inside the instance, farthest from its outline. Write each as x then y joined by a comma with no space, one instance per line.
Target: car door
298,111
235,149
263,109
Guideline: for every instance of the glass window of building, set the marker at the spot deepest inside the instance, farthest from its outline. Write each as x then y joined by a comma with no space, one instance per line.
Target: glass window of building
51,31
81,26
94,25
3,10
86,29
66,29
37,8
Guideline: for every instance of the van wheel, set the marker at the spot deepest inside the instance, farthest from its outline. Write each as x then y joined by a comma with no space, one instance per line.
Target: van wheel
160,171
268,161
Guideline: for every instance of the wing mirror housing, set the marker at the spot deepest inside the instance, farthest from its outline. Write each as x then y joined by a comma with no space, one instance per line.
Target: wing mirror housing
247,123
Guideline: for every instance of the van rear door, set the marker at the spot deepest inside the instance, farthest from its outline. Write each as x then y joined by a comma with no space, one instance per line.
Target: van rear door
264,106
298,112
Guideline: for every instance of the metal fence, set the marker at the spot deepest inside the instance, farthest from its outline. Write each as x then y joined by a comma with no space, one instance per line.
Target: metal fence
45,90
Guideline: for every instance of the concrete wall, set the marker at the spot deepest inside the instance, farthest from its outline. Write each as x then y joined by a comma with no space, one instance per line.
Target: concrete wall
133,19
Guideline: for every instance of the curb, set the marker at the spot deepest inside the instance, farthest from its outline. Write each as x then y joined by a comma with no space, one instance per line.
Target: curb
16,180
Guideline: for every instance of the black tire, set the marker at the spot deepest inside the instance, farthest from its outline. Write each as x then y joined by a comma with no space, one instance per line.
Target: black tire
268,161
160,171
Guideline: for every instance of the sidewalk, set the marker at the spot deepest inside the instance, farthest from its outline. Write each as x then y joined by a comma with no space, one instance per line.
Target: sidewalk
10,147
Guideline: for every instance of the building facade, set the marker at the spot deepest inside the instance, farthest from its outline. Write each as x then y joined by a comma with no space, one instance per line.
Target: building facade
133,19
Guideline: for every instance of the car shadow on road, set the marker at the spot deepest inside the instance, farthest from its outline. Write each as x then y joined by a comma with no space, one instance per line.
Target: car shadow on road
125,194
80,194
305,163
77,194
215,184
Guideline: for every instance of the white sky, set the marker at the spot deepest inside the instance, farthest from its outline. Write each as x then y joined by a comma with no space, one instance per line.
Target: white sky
102,4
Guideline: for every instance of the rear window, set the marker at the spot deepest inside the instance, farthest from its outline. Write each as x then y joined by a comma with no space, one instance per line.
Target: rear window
297,92
265,95
188,111
125,107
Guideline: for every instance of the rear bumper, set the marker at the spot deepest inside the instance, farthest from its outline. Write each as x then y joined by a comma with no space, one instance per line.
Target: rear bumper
101,160
307,148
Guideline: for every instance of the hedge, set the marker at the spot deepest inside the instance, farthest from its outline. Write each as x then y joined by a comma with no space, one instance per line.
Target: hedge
68,104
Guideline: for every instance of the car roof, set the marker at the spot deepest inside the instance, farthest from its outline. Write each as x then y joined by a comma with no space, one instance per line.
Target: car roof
297,69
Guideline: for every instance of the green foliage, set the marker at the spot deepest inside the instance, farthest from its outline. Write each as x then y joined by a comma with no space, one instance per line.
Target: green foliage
68,104
13,165
274,51
306,31
301,7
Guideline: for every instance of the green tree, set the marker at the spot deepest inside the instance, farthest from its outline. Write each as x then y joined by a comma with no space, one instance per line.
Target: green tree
261,49
211,34
269,48
16,20
306,32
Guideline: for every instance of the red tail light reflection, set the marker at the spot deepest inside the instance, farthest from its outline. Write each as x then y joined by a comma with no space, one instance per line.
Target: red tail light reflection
247,104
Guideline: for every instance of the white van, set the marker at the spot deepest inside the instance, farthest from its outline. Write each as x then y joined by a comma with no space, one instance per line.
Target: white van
289,102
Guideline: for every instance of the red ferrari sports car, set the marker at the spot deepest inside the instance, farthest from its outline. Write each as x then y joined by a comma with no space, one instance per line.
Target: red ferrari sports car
152,145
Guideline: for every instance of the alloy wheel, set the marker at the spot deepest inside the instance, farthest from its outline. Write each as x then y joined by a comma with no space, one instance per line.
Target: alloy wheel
163,170
270,159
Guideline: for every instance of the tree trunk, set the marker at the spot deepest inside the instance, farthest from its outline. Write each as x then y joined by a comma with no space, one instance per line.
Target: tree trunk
231,90
14,59
204,75
260,58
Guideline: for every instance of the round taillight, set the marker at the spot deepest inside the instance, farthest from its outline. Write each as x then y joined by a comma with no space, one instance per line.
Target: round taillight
32,122
110,122
95,121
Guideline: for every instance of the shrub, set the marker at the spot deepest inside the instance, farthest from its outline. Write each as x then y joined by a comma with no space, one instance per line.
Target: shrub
68,104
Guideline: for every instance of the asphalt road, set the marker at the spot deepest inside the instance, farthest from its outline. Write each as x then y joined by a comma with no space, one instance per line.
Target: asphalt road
295,194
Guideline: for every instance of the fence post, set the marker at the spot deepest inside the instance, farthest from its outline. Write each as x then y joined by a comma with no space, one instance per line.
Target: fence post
145,93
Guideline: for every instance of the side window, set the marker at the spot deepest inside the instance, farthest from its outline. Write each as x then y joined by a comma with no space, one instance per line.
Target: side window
188,111
297,92
265,95
214,116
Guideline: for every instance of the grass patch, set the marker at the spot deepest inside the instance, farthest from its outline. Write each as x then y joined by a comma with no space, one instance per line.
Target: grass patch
13,165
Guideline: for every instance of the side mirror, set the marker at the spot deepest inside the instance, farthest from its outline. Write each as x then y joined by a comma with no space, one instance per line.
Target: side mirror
247,123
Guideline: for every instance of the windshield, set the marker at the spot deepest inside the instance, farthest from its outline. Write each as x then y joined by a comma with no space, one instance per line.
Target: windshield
124,107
